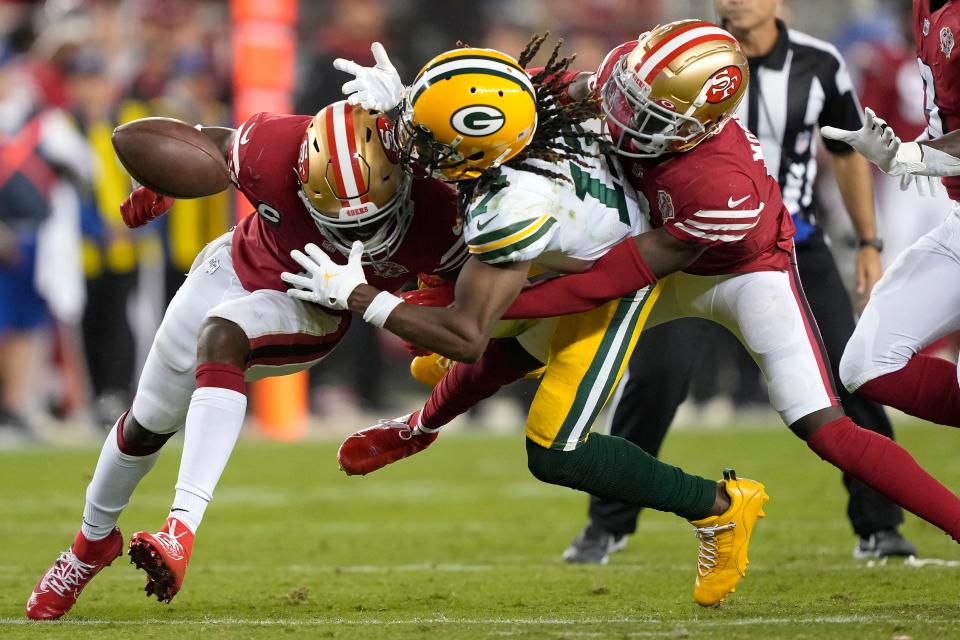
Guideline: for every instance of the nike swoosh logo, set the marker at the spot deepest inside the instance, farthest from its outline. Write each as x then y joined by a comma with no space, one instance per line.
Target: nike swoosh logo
482,225
731,203
245,138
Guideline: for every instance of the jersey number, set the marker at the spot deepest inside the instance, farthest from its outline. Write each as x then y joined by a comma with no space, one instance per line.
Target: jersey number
585,184
930,109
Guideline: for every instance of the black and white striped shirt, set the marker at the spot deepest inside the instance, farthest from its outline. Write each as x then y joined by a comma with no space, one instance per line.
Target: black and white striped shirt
801,85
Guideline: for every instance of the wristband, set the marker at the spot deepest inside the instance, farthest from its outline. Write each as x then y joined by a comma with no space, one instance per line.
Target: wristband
380,308
876,243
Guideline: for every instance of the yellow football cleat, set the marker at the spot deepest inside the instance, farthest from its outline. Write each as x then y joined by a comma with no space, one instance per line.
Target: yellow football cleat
725,539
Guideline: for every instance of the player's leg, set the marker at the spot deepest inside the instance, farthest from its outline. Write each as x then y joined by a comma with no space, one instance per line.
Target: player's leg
462,387
910,308
132,447
769,314
588,354
874,517
655,383
248,335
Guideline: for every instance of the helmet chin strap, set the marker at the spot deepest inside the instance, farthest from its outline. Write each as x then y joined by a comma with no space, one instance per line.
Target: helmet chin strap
500,158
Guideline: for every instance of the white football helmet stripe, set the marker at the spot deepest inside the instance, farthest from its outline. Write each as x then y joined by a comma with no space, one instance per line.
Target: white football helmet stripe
675,47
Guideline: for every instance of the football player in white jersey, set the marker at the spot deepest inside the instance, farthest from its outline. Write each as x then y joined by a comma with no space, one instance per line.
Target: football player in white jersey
917,301
558,204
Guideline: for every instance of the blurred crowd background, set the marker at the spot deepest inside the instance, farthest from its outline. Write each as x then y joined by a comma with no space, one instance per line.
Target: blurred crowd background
81,296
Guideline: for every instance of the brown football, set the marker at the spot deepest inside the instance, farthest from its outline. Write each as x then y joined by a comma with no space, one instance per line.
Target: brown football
171,157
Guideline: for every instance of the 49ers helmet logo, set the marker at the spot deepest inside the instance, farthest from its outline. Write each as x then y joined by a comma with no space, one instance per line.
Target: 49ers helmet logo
724,84
303,161
477,120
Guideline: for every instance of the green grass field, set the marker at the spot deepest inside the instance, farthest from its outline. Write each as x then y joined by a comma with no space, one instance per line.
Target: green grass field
461,542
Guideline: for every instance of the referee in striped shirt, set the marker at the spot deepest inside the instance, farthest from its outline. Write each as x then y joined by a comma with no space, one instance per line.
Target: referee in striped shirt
797,84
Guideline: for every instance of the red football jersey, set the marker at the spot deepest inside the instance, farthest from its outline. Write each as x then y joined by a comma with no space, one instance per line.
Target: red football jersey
936,34
262,162
719,194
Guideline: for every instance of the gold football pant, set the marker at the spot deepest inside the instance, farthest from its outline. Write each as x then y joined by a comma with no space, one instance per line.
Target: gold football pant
585,357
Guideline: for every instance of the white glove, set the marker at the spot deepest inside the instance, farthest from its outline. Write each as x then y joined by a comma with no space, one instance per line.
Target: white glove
877,143
927,186
377,88
325,282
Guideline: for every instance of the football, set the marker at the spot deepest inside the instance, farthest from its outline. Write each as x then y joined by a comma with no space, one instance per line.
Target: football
171,157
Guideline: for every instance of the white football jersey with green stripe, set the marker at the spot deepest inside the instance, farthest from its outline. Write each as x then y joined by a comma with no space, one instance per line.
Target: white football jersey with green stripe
561,225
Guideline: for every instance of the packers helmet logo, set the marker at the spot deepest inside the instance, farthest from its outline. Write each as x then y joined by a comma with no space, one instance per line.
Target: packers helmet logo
477,120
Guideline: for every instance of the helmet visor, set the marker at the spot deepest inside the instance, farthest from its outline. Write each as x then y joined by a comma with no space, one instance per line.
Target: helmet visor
423,156
381,231
639,126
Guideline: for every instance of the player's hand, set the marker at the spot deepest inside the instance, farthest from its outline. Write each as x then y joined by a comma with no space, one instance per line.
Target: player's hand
877,143
926,186
143,206
325,282
869,271
377,88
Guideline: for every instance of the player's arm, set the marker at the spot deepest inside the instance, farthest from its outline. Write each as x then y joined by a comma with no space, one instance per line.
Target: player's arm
852,173
222,137
144,205
949,144
708,213
460,331
878,143
630,266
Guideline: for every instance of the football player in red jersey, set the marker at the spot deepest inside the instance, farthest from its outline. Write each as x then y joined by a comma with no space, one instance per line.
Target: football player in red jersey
719,214
327,179
917,301
540,190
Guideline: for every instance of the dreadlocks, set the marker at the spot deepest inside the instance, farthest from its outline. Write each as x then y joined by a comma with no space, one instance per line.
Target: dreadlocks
559,132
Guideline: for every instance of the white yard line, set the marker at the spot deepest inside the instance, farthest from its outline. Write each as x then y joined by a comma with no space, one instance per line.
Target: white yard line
927,564
314,622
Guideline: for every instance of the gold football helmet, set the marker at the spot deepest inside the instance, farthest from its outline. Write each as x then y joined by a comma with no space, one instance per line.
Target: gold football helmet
468,110
677,86
349,184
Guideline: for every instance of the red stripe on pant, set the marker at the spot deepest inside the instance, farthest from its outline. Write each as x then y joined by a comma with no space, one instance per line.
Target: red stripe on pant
813,334
294,348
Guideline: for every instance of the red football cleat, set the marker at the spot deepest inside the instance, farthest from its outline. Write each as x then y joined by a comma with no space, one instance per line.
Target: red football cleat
382,444
164,557
59,588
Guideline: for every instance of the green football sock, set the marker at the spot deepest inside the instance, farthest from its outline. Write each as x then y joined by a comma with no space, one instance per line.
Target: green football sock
616,469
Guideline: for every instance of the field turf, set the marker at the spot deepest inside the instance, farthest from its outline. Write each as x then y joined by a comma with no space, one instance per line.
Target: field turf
461,542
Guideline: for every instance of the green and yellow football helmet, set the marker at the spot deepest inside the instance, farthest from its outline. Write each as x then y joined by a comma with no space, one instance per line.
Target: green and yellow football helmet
467,111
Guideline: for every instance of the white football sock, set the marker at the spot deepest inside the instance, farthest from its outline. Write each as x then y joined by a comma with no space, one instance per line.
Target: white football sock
116,476
214,421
